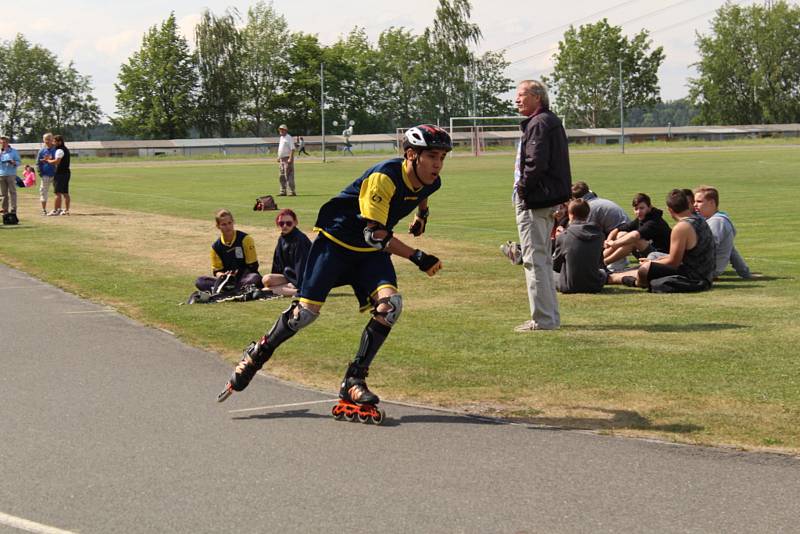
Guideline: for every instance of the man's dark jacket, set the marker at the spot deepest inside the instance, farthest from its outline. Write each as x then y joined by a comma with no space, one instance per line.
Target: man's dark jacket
545,177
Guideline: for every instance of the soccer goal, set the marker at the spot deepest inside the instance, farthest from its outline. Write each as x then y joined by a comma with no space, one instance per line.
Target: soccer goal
479,135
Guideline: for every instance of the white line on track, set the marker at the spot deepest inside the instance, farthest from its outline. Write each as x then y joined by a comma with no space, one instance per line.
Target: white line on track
283,405
89,311
29,526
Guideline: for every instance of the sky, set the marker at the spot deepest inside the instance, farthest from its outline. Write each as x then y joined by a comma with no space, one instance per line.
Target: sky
99,36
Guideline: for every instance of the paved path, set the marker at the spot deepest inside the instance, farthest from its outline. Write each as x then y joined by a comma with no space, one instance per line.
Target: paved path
108,426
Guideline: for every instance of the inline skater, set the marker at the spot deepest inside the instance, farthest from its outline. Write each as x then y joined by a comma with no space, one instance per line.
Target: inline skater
353,247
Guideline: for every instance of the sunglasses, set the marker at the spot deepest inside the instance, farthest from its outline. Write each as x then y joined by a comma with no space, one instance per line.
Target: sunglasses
285,223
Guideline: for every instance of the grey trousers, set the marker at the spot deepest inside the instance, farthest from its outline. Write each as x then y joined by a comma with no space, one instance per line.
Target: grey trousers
537,260
8,190
286,176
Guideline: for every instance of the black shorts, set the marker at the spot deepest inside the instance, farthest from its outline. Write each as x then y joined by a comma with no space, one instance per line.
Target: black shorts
330,265
660,270
61,182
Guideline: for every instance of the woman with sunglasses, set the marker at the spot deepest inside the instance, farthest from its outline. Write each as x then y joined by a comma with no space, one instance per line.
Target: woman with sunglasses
289,258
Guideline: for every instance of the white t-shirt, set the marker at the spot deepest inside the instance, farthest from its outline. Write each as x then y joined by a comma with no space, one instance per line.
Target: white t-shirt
59,154
285,146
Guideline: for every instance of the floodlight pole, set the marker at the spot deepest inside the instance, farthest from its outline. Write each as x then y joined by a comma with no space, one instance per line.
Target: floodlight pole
322,105
621,110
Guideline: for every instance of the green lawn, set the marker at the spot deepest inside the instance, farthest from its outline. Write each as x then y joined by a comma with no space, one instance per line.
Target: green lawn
718,367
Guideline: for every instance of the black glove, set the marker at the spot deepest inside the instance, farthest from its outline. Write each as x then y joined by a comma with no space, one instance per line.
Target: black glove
426,262
417,228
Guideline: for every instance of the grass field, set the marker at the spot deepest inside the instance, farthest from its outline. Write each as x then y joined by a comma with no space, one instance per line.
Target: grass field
719,368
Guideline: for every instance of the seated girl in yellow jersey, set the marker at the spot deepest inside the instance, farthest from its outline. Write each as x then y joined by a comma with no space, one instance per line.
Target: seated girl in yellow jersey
353,248
233,258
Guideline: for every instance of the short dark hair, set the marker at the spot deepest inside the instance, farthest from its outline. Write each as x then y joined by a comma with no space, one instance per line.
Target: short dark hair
579,209
641,197
677,201
579,189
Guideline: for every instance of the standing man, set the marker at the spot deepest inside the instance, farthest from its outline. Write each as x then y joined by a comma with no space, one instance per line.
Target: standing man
9,161
542,181
706,203
46,170
286,161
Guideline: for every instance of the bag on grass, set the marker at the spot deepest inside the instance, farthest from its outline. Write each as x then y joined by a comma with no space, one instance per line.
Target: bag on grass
677,284
265,203
10,218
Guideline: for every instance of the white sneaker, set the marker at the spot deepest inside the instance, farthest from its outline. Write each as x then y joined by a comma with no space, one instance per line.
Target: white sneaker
512,251
54,213
64,212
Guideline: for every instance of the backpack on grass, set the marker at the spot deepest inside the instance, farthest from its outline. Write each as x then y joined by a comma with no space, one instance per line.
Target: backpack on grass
10,218
265,203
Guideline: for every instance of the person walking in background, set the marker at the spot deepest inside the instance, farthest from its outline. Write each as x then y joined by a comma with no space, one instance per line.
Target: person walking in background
46,170
286,162
60,161
289,258
301,146
9,161
542,181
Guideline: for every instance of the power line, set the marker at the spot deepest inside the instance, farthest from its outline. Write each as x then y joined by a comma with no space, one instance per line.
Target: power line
517,43
553,49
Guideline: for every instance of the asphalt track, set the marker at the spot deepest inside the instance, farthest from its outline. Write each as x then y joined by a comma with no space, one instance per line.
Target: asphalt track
109,426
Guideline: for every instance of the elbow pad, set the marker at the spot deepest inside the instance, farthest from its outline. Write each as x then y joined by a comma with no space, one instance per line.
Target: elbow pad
377,244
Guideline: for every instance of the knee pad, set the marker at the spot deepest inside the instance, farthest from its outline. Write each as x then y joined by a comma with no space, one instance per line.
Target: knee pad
396,303
302,319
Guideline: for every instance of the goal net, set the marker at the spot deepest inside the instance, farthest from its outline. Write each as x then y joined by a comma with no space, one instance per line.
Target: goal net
479,135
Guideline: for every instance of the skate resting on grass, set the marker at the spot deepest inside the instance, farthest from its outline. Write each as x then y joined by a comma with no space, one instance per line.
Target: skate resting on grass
353,248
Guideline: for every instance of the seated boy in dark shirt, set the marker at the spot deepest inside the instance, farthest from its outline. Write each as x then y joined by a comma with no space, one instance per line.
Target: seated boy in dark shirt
647,233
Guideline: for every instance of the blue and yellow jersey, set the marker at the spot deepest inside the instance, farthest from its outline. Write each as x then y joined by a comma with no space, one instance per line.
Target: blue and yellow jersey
382,194
239,255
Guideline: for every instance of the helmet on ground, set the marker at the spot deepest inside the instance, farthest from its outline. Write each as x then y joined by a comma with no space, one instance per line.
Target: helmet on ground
427,137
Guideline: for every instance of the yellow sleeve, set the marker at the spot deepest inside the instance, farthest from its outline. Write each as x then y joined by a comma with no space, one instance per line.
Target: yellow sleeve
216,261
249,246
375,196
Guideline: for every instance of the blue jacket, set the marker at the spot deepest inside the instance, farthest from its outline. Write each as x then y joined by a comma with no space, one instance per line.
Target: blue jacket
7,168
46,169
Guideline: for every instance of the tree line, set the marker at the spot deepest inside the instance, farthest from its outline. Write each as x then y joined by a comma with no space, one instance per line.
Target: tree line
245,74
248,74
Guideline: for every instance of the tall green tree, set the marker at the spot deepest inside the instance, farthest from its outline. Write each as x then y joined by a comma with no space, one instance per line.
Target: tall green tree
218,55
298,106
24,67
156,86
400,68
69,105
449,61
586,79
264,68
37,94
489,82
749,71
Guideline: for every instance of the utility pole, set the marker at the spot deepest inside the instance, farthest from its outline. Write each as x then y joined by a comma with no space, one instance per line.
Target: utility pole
621,109
322,105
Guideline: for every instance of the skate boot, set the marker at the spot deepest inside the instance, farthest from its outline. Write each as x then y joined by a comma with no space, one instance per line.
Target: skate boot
253,358
357,401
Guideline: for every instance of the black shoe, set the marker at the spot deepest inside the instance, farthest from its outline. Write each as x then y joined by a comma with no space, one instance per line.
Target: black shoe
629,281
354,390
